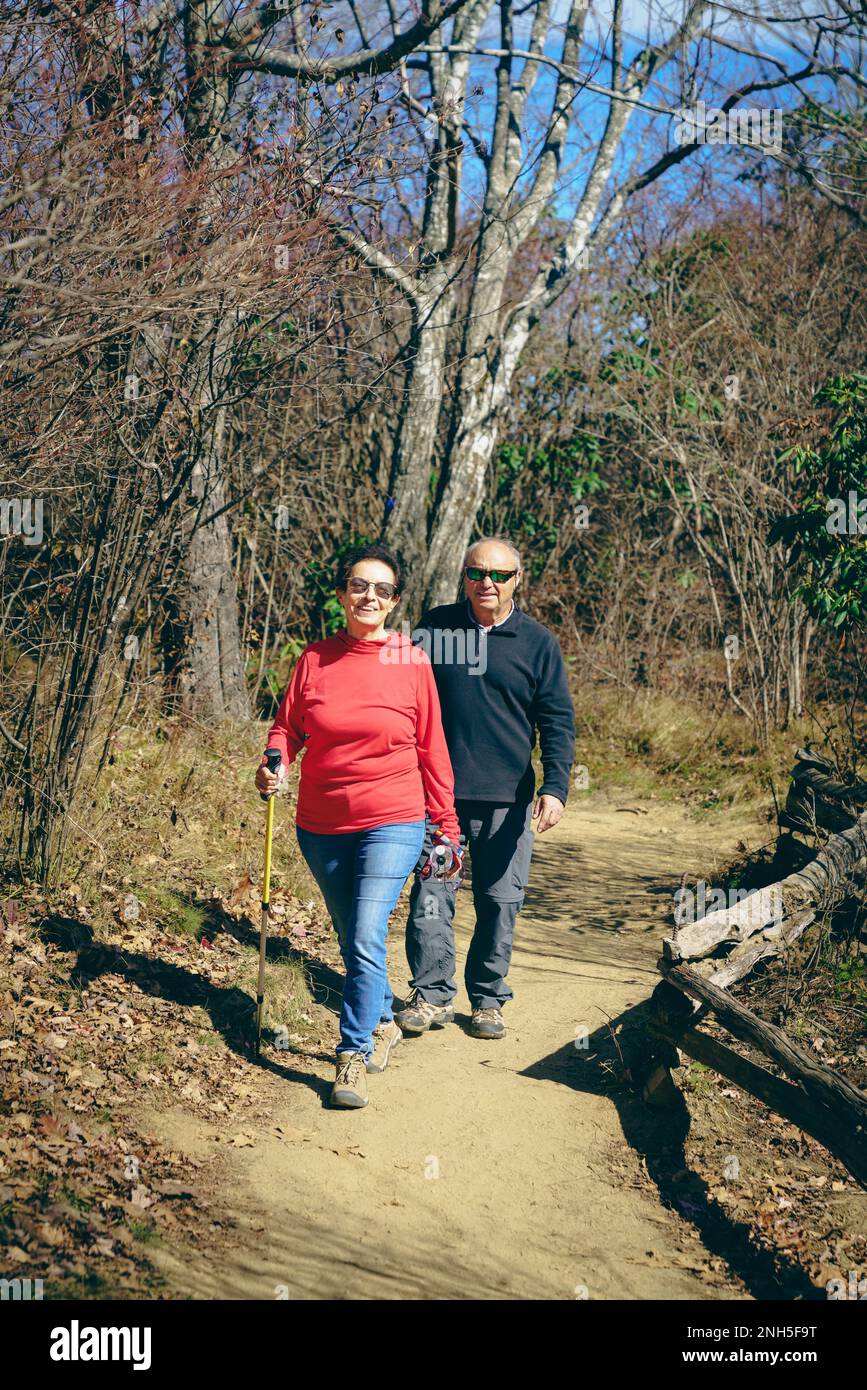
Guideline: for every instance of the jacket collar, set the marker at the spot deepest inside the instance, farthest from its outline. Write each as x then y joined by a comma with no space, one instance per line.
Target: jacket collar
508,627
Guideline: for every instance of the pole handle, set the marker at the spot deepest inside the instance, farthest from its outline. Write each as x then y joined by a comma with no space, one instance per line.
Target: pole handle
272,762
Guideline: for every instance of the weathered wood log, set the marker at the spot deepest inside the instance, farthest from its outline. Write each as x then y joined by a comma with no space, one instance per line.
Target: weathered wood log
736,923
825,1086
830,873
660,1090
813,758
832,1130
771,942
818,799
824,879
765,923
849,793
808,813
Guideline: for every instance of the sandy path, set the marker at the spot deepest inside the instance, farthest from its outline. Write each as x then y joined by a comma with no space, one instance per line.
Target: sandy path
482,1170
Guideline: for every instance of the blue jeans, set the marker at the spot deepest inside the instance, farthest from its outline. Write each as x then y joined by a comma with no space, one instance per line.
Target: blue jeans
360,875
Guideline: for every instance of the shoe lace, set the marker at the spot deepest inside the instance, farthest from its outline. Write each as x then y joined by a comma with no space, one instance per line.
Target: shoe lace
417,1001
349,1071
488,1013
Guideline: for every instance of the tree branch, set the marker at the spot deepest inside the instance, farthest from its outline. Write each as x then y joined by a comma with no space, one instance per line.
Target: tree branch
364,62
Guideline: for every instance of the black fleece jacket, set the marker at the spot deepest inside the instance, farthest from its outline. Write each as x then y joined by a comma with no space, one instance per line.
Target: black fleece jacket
496,690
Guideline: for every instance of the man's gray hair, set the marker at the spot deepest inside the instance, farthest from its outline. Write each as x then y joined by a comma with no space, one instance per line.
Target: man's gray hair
497,540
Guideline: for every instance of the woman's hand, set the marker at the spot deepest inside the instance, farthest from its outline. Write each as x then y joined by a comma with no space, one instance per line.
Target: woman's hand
455,870
269,783
445,859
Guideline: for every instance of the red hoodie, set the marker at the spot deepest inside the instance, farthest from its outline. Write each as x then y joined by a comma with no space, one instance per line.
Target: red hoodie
368,716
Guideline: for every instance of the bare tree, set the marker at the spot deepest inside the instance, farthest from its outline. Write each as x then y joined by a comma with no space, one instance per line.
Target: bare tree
135,285
642,481
537,140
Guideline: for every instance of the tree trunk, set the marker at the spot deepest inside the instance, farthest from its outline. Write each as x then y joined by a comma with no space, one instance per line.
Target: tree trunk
215,685
215,688
413,458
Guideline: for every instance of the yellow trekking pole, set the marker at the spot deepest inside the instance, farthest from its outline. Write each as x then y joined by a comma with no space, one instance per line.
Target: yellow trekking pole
272,762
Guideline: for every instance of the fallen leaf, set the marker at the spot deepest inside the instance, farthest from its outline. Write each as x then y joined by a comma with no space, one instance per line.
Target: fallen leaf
91,1077
52,1235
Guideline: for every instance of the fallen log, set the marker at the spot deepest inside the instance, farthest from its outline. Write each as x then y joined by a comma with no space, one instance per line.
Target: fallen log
825,1086
824,879
788,1100
771,942
817,799
764,923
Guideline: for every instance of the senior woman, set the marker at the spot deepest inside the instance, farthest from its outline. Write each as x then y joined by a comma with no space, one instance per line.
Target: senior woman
363,705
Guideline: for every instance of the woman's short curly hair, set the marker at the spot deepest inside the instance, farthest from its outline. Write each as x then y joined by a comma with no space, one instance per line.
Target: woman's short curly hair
346,563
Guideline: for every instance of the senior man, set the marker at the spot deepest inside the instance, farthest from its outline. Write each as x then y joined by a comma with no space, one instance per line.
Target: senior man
501,678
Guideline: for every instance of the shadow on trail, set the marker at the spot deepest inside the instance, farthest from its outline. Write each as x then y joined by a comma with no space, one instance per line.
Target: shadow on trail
317,1084
580,911
232,1011
326,984
305,1254
659,1137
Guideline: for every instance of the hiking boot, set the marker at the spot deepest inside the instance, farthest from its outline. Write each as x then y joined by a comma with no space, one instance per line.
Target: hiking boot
418,1015
350,1082
487,1023
386,1037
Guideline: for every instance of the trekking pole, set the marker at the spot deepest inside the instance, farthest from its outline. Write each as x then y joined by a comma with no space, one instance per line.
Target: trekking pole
272,762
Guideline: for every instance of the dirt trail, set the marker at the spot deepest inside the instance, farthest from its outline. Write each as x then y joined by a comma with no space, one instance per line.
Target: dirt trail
481,1170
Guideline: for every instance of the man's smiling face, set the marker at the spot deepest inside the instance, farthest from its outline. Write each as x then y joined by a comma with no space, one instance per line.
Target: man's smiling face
491,601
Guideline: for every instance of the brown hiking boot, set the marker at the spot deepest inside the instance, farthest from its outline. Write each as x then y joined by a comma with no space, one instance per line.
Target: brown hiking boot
487,1023
386,1037
350,1081
418,1015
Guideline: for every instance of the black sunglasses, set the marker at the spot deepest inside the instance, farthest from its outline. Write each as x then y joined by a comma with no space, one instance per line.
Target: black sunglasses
498,576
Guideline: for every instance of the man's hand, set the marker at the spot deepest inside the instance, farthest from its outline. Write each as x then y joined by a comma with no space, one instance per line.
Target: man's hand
549,809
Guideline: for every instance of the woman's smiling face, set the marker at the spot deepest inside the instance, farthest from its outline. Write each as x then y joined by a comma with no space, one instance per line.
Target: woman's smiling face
367,611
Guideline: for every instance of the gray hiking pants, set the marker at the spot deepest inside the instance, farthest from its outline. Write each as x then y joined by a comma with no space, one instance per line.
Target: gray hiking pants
500,844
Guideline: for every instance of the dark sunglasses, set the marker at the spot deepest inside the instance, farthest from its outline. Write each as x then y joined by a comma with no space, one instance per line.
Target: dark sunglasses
498,576
361,586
